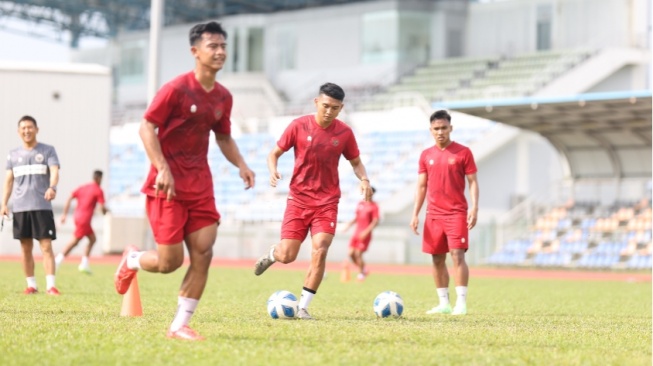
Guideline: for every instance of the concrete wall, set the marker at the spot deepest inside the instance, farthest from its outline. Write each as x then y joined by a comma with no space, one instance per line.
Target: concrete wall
71,104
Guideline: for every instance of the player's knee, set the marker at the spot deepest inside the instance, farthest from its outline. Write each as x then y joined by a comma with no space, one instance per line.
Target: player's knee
458,258
321,252
285,256
169,266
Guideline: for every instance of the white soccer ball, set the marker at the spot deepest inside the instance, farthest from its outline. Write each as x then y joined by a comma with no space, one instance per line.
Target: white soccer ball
388,303
283,305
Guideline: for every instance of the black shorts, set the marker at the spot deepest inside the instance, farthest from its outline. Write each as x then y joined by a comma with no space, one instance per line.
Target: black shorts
35,225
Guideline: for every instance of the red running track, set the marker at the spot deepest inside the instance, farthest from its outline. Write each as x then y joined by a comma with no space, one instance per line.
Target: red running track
482,272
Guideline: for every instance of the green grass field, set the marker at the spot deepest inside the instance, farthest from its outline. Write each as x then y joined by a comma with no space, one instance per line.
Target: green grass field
510,322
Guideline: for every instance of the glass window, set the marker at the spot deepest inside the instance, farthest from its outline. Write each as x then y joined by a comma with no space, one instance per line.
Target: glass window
132,61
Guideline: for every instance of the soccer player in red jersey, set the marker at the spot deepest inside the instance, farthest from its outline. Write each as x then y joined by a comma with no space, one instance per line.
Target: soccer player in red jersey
443,169
366,219
180,202
318,141
87,196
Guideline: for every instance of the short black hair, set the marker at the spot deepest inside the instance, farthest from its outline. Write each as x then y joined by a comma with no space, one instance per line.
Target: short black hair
27,118
97,174
441,114
196,32
332,90
373,190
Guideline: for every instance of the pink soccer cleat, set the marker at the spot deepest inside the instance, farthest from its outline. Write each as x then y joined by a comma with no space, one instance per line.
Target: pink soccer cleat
53,291
124,276
30,291
185,333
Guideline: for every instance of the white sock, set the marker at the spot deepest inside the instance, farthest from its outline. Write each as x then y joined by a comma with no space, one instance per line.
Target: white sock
461,292
49,281
306,298
271,255
134,260
443,294
31,282
58,259
185,309
84,261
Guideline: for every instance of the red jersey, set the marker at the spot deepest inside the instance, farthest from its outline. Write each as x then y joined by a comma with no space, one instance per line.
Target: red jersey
446,171
366,212
87,195
185,114
315,180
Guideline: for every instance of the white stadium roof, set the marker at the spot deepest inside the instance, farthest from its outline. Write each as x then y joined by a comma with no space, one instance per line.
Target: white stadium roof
601,135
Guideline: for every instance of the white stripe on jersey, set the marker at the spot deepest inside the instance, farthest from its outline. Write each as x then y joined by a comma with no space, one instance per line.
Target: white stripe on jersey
33,169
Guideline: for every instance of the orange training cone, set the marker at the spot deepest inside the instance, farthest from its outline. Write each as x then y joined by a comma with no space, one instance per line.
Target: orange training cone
131,300
345,275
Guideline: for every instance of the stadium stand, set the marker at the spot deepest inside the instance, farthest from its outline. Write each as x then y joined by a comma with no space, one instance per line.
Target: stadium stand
390,157
584,235
482,78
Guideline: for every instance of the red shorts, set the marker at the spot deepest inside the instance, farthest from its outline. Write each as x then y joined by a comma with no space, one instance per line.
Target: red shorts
356,243
298,220
173,220
83,229
443,234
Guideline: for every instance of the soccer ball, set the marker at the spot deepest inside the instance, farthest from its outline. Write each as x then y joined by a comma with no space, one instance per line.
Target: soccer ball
283,305
388,303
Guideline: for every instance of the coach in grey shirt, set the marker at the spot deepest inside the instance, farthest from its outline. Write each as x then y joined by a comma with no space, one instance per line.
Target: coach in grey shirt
32,176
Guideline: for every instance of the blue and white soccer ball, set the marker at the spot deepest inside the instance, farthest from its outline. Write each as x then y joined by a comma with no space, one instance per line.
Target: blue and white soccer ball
388,303
283,305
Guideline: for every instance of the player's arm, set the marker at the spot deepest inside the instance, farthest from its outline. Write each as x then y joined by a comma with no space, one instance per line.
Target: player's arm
51,192
8,186
230,151
273,160
164,179
420,194
66,207
473,194
368,230
104,209
361,173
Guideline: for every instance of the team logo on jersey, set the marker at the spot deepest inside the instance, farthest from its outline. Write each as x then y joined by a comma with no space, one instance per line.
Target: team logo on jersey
218,113
462,240
334,141
332,224
309,138
38,158
193,108
452,161
431,162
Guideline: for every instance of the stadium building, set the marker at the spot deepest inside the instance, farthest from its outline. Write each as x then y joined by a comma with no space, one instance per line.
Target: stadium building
553,98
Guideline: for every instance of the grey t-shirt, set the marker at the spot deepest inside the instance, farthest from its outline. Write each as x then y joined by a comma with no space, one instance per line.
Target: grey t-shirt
31,170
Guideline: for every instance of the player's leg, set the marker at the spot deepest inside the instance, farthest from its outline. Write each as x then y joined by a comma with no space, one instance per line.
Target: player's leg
458,233
323,227
27,246
22,230
320,247
200,250
48,265
435,243
294,229
362,271
69,247
461,279
45,232
84,265
167,220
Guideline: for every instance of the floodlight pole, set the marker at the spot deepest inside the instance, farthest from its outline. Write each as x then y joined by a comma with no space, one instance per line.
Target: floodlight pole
156,21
